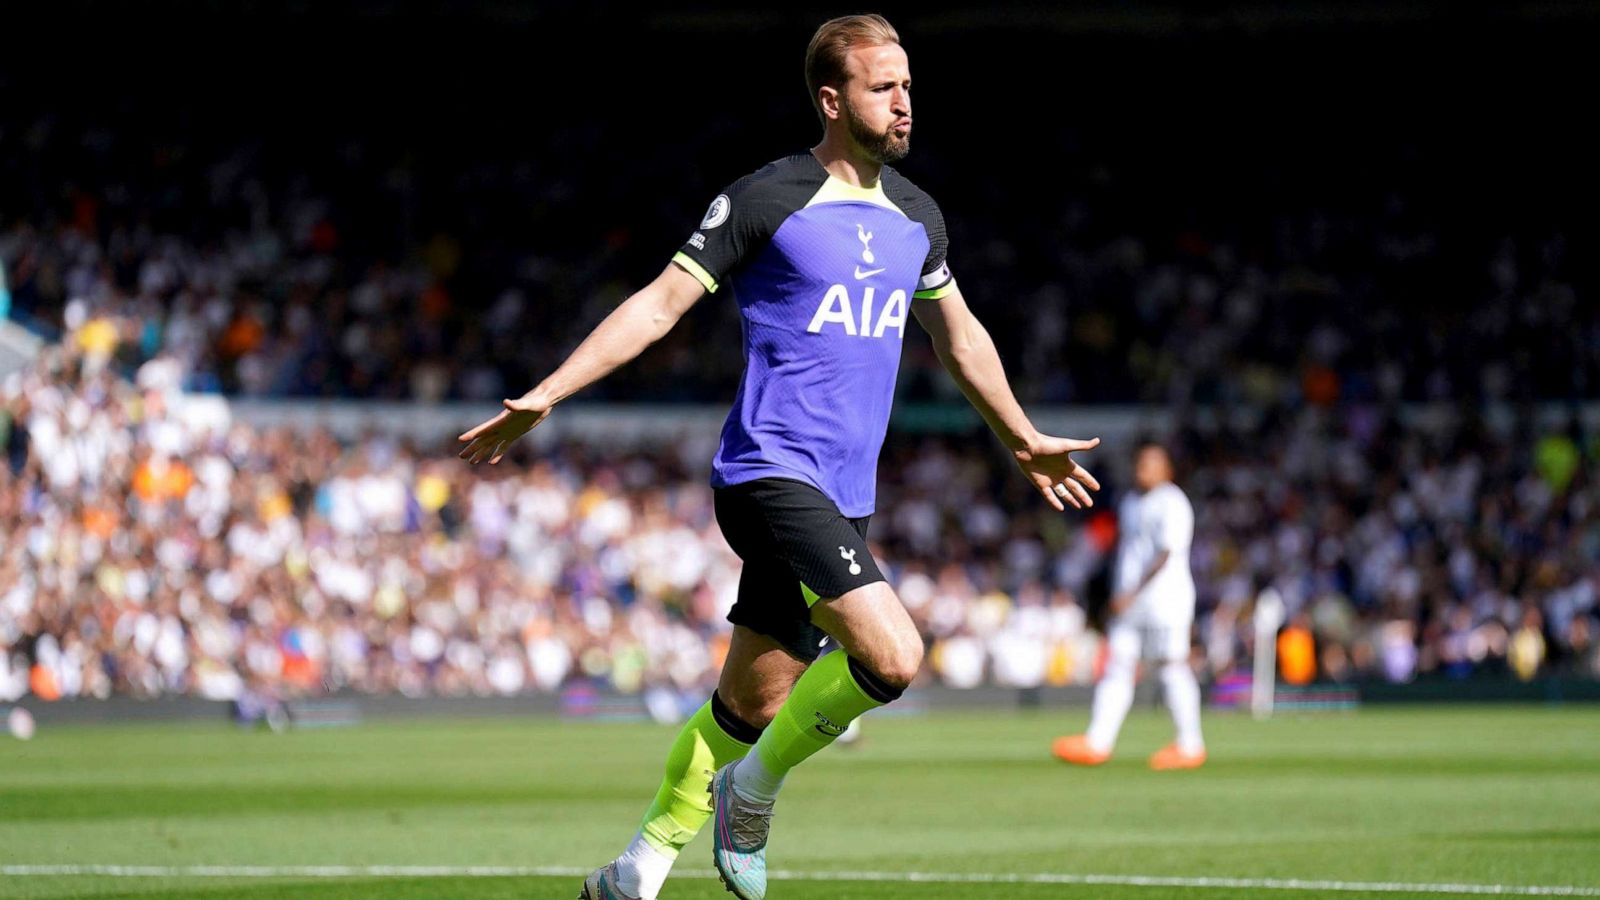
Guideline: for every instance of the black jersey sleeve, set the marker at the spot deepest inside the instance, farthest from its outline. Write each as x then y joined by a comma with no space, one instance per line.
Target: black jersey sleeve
743,218
729,232
936,279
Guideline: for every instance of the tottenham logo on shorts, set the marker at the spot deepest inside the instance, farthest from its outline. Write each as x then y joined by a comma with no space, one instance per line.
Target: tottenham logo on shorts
718,213
850,557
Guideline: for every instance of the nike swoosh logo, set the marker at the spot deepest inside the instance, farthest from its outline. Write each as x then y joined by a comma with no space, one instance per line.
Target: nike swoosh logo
867,274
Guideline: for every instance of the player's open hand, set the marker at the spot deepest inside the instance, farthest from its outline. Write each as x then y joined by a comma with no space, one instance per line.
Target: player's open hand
490,440
1048,463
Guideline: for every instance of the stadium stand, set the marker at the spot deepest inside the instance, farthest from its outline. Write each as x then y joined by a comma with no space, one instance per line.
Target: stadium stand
303,236
152,555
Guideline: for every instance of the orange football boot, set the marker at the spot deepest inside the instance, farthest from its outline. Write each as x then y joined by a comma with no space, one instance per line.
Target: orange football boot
1170,757
1075,749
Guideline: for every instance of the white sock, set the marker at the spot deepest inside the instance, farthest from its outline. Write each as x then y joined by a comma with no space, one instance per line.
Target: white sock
1183,699
1112,698
754,781
642,869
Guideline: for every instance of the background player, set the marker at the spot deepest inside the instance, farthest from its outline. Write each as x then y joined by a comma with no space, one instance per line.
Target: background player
1152,609
827,253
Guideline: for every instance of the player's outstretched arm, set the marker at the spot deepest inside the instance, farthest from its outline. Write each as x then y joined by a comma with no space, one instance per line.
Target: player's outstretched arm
968,353
635,324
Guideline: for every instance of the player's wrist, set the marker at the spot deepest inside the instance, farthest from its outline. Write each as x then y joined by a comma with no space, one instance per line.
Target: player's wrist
542,397
1023,447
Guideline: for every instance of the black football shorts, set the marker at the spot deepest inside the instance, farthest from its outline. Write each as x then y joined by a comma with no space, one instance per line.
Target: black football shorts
797,549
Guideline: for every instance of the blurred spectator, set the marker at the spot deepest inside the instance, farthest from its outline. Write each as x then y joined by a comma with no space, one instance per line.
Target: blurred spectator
1527,646
1297,654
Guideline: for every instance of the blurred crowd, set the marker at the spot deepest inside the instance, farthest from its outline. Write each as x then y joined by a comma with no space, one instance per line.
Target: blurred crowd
149,553
1401,551
357,272
1185,234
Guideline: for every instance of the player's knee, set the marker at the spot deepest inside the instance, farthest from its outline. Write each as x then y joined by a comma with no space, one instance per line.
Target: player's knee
899,665
762,711
752,705
1121,668
1175,669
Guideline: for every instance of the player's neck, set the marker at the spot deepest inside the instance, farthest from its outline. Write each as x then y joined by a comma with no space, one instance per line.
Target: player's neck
846,163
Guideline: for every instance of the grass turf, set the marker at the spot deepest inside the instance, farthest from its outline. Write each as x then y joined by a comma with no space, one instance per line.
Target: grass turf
1489,795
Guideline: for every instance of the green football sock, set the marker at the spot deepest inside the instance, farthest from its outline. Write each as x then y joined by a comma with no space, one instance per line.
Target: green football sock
826,699
682,805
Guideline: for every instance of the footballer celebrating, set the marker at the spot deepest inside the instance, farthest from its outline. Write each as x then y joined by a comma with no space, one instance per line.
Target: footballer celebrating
828,253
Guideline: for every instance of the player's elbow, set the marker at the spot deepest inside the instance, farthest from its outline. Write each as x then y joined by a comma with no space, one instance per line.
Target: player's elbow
655,312
955,352
662,320
664,301
968,344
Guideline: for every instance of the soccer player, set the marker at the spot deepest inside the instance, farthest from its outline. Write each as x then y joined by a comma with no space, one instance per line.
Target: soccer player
1153,608
827,253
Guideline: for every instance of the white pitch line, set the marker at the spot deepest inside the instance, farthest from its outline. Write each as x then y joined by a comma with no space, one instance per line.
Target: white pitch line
1201,883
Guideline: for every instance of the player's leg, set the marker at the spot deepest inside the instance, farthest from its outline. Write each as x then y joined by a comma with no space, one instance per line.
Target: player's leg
710,738
880,651
773,642
1113,696
755,679
1182,693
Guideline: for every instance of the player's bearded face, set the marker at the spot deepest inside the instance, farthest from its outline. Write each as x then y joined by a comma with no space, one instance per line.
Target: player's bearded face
887,145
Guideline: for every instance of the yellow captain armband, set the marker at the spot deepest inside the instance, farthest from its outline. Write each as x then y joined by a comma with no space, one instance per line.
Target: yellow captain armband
936,284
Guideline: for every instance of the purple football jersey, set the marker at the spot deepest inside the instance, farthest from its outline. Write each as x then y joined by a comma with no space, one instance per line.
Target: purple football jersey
824,274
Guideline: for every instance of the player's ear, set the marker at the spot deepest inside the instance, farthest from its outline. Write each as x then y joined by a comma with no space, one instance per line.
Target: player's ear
828,99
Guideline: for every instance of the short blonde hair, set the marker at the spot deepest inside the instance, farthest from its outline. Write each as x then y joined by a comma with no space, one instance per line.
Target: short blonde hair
826,54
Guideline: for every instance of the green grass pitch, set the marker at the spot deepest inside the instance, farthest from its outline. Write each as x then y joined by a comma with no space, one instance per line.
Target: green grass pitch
1419,797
